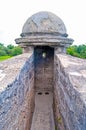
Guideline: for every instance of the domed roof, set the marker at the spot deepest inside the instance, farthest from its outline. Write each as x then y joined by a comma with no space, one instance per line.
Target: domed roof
44,22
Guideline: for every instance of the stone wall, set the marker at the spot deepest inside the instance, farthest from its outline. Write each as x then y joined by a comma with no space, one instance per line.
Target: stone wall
70,92
17,100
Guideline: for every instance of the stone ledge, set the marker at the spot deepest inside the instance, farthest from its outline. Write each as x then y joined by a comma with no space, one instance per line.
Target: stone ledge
42,40
75,68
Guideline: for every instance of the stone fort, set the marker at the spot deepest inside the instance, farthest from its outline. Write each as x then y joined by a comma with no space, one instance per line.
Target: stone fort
44,88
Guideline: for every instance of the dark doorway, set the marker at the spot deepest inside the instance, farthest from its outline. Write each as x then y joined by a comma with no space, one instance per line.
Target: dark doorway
44,67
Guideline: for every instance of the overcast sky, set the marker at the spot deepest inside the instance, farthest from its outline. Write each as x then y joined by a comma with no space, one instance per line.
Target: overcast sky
14,13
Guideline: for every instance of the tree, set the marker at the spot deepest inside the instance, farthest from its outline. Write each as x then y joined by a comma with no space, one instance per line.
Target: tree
2,53
10,50
2,50
10,46
78,51
16,51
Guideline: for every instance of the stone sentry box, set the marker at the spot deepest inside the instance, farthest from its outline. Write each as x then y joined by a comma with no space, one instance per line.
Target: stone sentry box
45,35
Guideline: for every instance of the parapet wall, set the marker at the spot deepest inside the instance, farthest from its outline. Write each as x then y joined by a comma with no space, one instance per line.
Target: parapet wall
70,92
17,99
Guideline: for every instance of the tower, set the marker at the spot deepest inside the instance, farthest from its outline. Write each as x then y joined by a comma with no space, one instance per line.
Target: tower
45,35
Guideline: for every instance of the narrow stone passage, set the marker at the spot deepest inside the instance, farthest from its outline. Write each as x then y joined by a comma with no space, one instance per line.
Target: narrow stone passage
43,118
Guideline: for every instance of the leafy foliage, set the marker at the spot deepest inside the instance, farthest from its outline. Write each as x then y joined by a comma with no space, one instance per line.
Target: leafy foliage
78,51
10,50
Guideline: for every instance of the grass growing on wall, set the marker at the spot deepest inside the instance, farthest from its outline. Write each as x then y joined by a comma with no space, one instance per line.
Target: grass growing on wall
4,57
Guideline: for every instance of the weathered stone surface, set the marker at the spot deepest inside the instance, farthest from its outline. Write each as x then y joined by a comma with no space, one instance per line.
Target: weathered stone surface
43,118
19,78
44,40
70,90
17,98
44,29
44,22
10,68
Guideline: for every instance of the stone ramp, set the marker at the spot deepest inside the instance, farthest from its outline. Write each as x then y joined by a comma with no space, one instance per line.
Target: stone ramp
43,118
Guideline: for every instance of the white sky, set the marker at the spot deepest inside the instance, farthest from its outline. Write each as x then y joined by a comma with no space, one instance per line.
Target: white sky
14,13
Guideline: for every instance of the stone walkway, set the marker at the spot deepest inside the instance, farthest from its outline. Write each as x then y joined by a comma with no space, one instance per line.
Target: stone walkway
43,118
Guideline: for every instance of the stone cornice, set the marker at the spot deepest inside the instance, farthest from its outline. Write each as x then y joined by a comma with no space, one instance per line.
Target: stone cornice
44,40
43,34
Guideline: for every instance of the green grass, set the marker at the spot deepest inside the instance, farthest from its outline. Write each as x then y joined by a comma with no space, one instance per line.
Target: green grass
4,57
